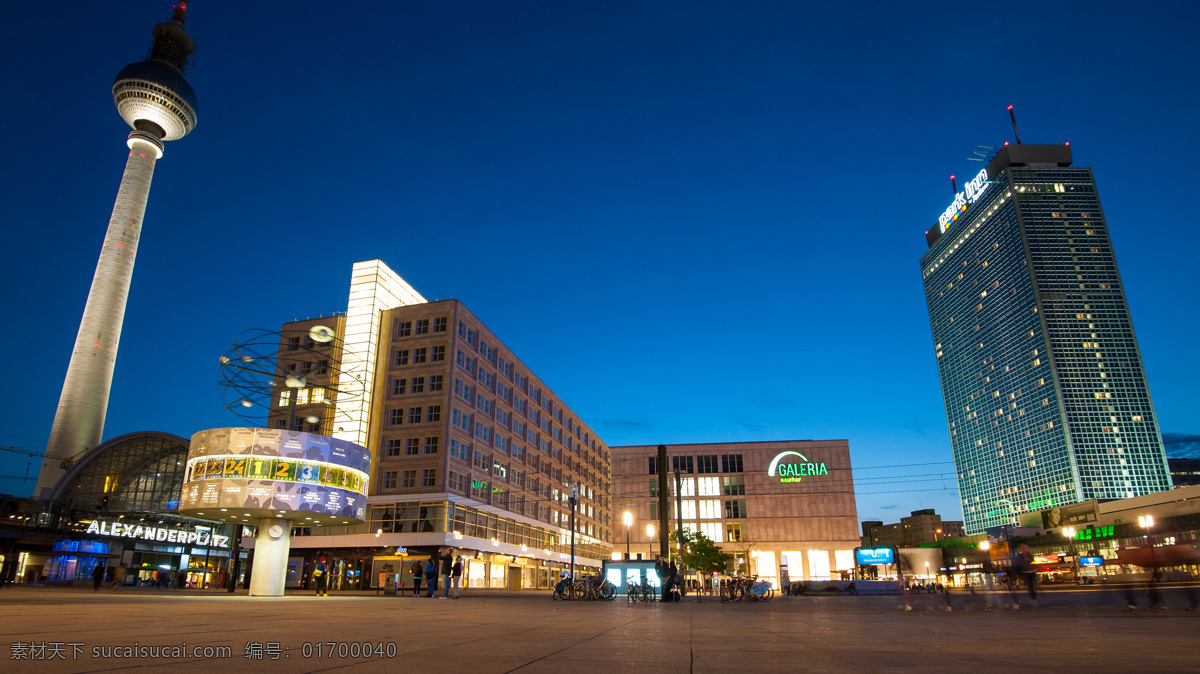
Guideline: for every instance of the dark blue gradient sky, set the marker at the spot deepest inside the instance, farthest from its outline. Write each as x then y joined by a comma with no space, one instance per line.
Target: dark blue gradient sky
695,221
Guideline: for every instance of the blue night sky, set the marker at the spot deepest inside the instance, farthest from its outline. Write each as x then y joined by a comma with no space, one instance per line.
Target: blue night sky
695,221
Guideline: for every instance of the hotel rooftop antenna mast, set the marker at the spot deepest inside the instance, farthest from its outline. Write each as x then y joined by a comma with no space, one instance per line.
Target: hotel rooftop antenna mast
1013,116
154,99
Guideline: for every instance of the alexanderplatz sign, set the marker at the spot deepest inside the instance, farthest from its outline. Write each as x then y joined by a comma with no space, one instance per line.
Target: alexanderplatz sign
157,534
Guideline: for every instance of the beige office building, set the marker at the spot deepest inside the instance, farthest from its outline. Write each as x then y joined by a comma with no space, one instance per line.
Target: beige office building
469,449
784,509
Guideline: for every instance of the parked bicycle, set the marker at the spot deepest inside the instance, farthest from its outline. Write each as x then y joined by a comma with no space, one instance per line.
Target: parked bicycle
636,592
746,587
592,586
562,589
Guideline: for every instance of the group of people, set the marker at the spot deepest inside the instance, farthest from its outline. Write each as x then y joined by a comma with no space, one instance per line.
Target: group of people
442,566
118,576
669,577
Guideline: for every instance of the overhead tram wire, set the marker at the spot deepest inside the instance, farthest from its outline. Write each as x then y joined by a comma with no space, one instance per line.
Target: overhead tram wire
903,465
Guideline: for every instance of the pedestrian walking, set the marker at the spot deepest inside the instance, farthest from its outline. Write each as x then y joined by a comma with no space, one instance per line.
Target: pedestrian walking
456,573
97,576
431,576
417,573
118,580
447,569
320,578
1152,591
1024,568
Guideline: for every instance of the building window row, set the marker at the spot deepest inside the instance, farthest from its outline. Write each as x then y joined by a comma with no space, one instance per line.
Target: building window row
397,415
730,463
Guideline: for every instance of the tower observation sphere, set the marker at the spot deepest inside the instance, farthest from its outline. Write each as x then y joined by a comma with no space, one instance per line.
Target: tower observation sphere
153,98
151,95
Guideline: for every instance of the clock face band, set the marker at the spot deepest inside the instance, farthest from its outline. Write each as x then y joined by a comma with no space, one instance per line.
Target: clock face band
239,466
242,474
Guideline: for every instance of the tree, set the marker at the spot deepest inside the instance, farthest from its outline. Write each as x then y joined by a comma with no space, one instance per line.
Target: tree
701,554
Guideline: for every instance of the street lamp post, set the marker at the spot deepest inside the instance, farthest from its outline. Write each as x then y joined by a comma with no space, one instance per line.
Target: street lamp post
1147,523
1069,532
628,523
650,537
574,498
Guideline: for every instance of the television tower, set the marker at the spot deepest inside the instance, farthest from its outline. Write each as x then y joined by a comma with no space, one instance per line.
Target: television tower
154,99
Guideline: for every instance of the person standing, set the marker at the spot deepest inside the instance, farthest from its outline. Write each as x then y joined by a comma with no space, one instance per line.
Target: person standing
673,570
320,578
416,572
447,569
456,573
97,576
118,580
431,576
663,571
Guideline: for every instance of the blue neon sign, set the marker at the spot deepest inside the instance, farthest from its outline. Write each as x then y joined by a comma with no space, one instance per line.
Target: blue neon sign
874,556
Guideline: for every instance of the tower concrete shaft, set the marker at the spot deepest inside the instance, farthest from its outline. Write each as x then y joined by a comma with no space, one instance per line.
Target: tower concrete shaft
79,420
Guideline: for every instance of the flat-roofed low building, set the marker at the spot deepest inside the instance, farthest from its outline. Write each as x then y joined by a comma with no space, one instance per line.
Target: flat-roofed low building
921,526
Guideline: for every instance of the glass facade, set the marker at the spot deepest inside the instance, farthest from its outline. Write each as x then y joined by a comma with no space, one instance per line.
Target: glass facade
1046,398
136,473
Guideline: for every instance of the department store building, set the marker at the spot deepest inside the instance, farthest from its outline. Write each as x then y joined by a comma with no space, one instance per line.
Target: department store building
784,509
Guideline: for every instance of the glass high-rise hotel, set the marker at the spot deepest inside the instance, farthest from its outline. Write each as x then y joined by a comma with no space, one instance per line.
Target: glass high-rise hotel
1046,398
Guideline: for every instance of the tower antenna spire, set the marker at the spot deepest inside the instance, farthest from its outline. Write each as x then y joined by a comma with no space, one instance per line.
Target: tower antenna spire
953,186
1013,116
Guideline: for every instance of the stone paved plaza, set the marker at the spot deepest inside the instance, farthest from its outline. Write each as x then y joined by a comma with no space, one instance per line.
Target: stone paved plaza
1070,631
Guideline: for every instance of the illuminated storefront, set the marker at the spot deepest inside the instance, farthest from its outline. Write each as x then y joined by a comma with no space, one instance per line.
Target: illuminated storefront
499,552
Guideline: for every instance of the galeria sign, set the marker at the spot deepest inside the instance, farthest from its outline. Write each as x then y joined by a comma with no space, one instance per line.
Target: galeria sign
969,195
157,534
795,471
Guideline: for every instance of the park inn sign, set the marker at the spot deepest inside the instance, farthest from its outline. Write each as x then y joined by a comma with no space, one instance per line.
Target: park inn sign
795,471
157,534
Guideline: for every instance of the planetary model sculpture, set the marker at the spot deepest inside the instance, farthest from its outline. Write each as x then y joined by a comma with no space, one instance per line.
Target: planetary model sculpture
275,478
249,378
